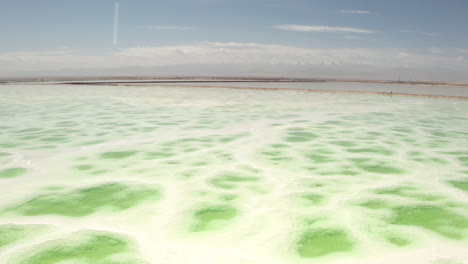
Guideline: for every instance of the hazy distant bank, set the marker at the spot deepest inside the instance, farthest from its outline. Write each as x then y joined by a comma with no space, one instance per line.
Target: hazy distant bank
204,79
389,88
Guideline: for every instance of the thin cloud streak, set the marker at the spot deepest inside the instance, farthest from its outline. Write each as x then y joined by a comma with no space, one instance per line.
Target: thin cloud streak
116,24
168,28
353,37
303,28
430,34
355,11
427,34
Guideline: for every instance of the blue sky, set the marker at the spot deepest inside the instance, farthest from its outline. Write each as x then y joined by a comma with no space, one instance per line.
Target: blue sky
53,35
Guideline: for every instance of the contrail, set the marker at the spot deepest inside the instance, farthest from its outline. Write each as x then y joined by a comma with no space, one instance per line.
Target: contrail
116,23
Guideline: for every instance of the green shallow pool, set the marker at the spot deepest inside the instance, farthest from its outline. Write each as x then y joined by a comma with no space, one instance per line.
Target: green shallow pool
150,175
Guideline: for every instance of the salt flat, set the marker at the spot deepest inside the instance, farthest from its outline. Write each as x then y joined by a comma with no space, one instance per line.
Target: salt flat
113,175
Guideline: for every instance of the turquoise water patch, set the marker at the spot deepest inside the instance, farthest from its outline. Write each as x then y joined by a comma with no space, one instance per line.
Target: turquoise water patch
231,179
13,234
118,154
437,219
13,172
321,242
87,247
462,185
212,217
82,202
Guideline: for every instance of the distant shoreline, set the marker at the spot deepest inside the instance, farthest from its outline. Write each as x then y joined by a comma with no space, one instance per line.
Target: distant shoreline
149,80
224,84
140,84
300,90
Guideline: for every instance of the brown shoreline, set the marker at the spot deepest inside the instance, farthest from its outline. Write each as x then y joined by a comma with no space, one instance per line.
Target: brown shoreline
164,84
207,79
294,89
415,83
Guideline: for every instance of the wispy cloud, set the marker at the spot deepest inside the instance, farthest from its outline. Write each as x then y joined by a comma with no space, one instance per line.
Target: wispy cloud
168,28
434,50
353,37
239,56
427,34
430,34
304,28
463,50
355,11
223,53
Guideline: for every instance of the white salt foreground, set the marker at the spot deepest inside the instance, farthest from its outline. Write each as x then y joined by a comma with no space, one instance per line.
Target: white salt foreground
188,175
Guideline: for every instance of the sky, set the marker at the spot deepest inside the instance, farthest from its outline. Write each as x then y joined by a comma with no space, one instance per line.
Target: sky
368,39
